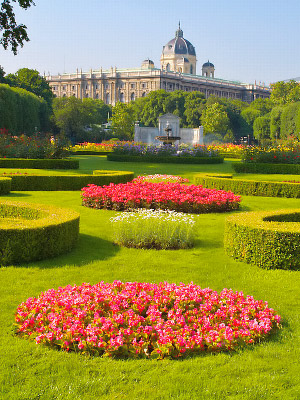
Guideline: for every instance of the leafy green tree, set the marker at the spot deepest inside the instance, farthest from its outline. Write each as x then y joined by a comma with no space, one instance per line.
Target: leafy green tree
275,122
288,125
175,104
2,75
31,80
13,34
122,121
194,106
285,92
261,127
215,120
148,109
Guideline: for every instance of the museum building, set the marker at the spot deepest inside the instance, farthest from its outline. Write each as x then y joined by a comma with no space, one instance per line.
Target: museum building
177,72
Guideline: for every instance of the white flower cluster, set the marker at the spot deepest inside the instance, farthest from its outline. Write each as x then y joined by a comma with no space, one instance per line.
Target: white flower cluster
160,229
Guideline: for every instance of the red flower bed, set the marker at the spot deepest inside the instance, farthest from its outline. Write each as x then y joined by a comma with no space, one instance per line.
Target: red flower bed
172,196
144,319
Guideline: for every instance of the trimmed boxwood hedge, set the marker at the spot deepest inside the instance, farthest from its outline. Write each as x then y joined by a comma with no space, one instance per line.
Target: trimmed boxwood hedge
5,185
264,168
165,159
39,163
268,239
31,232
249,187
68,182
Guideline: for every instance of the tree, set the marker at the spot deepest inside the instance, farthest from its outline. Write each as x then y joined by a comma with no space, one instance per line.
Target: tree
122,121
215,120
275,121
2,75
31,80
285,92
261,127
288,121
194,106
14,34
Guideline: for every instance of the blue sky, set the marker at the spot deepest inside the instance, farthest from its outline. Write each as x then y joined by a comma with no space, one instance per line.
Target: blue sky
247,40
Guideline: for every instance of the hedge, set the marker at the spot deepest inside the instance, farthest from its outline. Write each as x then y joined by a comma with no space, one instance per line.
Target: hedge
264,168
165,159
39,163
5,185
68,182
268,239
249,187
31,232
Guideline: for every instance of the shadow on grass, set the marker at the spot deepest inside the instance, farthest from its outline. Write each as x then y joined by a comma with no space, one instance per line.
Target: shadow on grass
88,249
18,194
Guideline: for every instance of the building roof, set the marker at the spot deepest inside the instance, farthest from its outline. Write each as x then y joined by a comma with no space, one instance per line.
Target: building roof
208,64
179,45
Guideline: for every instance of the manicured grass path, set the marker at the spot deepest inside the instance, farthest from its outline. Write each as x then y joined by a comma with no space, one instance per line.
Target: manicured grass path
265,371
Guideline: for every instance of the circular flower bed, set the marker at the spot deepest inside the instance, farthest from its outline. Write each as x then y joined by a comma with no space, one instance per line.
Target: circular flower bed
144,319
172,196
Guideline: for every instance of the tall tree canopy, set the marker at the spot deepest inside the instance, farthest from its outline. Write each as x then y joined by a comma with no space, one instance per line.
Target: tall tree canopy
13,34
31,80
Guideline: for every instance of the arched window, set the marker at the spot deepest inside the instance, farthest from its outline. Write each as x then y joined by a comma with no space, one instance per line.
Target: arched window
144,94
97,96
132,96
122,99
168,67
107,99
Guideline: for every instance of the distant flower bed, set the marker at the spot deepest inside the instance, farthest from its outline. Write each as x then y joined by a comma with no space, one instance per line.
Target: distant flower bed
171,196
183,150
228,148
160,178
278,155
154,229
32,147
97,147
144,320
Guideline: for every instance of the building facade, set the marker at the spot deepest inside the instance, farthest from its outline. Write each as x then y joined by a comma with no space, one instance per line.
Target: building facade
177,72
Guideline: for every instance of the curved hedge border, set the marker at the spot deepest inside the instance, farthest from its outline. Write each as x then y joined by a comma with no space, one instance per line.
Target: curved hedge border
31,232
5,185
39,163
68,182
249,187
269,239
264,168
167,159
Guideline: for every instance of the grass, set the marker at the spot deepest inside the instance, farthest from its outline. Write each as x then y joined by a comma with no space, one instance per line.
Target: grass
269,370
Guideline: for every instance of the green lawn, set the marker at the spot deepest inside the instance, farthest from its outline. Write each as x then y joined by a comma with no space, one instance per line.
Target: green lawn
269,370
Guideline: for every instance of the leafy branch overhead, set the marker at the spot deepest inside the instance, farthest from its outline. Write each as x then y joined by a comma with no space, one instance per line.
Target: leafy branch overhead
13,35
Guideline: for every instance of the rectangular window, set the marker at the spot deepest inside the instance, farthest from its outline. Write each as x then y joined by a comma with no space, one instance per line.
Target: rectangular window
73,87
86,86
132,86
96,86
64,87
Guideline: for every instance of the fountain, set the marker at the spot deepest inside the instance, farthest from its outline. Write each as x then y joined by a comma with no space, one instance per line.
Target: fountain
168,139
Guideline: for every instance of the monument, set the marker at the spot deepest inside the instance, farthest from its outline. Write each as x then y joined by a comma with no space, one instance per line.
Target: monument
168,123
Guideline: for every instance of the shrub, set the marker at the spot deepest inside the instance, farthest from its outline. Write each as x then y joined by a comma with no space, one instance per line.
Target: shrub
249,187
269,239
167,196
36,147
265,168
144,320
67,182
165,159
5,185
155,229
34,232
271,155
39,163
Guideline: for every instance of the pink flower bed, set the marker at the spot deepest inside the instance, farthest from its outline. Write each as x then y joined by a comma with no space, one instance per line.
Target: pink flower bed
144,319
162,195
